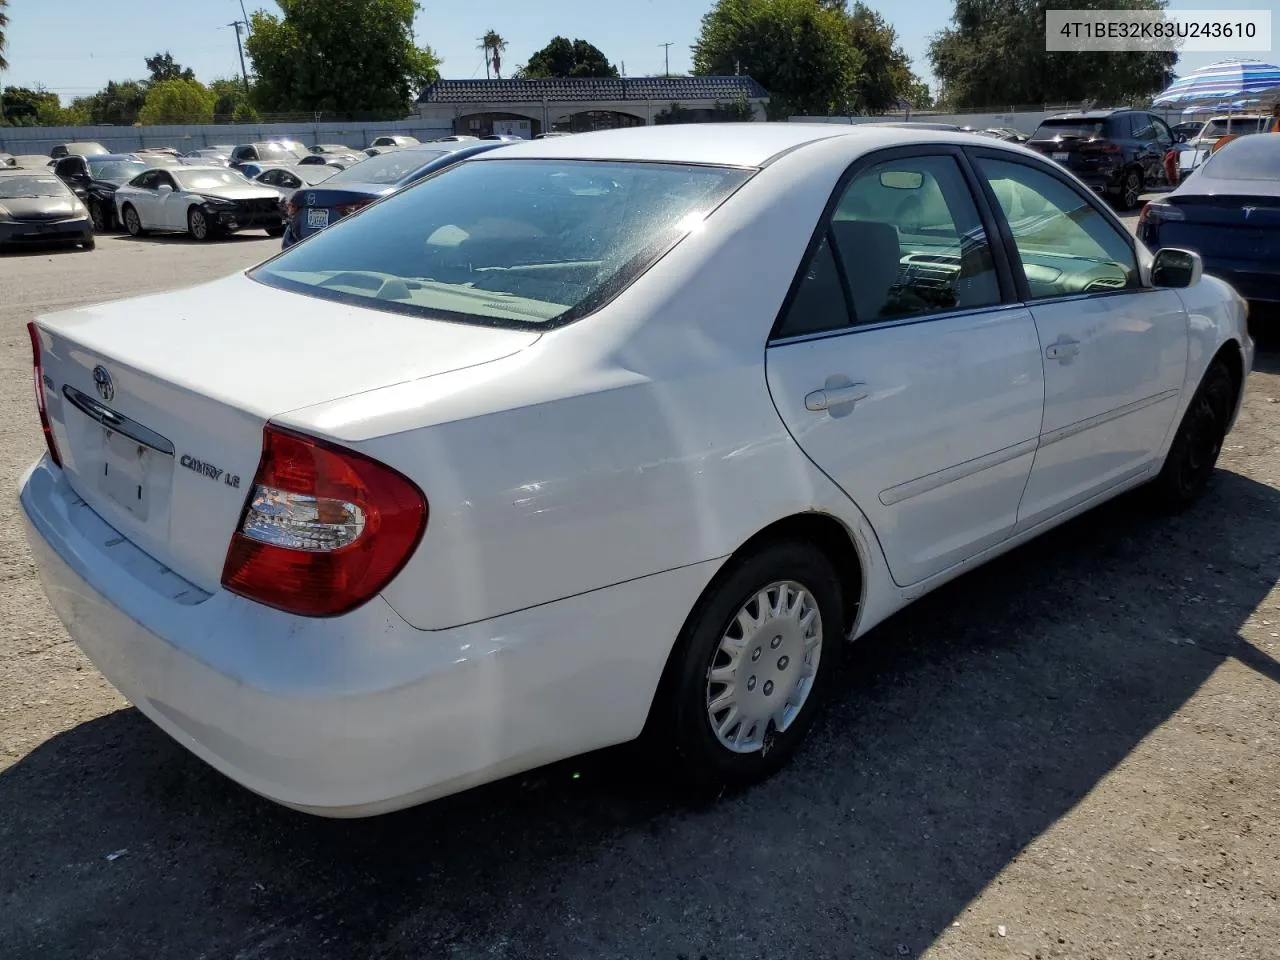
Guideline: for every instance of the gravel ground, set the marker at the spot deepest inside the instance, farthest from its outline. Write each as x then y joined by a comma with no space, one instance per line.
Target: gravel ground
1068,754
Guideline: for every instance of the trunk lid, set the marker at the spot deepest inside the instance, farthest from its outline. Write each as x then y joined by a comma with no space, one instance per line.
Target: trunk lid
157,404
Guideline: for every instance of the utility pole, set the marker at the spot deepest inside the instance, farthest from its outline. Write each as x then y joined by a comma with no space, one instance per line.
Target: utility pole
240,46
666,54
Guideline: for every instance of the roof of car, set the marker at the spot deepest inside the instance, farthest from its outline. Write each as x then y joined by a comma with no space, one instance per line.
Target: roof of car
727,144
1090,114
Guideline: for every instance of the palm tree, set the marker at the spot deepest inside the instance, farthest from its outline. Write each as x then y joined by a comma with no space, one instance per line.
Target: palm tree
4,22
493,46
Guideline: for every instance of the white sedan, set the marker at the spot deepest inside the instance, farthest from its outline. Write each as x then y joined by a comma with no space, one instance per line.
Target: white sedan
206,202
589,436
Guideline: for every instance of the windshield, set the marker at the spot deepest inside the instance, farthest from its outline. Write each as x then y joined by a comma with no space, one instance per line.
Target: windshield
1221,126
387,168
523,243
86,149
120,170
34,186
1080,129
276,149
208,179
1249,158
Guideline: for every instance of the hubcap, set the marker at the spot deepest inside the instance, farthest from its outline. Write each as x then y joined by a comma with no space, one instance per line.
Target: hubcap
132,218
762,671
1131,189
95,214
198,226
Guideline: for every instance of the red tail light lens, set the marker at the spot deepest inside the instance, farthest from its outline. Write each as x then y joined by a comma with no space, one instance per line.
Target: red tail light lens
291,207
37,376
346,209
325,528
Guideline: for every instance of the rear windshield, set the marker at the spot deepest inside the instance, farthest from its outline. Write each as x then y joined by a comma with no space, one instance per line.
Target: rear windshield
387,168
119,170
1080,129
13,188
1250,158
515,243
1222,127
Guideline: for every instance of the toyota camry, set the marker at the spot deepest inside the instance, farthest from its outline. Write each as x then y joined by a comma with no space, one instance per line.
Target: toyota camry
604,435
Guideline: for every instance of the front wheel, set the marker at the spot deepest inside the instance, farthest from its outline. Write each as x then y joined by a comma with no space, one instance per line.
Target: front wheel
1130,190
88,243
99,217
1198,442
752,666
132,222
198,225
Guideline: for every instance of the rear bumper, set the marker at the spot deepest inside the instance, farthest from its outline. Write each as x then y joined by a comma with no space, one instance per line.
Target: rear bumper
1252,279
361,714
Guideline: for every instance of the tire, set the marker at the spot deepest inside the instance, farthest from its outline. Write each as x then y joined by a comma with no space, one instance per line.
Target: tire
276,231
101,223
694,718
132,222
1130,192
1198,442
88,243
198,225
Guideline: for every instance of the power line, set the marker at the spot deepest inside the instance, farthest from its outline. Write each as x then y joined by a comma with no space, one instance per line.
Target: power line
666,56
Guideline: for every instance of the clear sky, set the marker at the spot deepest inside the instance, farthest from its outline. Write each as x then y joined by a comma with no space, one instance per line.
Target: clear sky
74,47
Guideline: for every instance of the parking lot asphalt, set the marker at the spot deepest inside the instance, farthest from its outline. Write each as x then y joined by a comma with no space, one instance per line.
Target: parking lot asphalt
1071,753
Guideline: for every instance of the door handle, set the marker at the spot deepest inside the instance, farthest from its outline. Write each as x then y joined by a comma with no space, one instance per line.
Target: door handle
833,398
1064,349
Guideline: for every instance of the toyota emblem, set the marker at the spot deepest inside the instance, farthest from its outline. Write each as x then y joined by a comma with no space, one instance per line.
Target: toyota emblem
102,383
311,199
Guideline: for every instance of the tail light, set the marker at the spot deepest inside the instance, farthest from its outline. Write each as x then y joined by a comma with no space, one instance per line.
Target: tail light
1154,213
346,209
292,207
1104,147
37,376
325,528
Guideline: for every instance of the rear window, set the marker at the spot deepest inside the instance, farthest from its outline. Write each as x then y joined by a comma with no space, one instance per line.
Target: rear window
1249,158
387,168
1077,128
515,243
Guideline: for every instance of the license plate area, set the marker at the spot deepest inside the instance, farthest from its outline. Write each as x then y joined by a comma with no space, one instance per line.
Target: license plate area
317,219
1061,157
127,468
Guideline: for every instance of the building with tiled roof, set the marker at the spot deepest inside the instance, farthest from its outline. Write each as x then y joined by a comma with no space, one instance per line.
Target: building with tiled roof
530,107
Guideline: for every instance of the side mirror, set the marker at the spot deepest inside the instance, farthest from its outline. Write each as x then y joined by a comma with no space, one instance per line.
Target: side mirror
165,188
1176,268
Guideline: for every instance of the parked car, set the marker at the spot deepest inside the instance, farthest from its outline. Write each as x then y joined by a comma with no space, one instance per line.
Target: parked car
334,153
582,438
1120,153
285,180
32,161
310,211
1229,213
96,179
206,202
1215,128
1007,134
266,151
455,138
6,160
394,141
158,152
333,163
504,137
219,156
553,133
1186,129
84,149
37,207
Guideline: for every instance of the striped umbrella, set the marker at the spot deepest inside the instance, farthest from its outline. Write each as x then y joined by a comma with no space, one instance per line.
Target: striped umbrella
1222,81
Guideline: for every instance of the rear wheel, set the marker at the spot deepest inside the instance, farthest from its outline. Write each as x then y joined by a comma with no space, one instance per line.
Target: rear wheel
198,225
88,243
132,222
752,666
99,217
1130,190
1198,442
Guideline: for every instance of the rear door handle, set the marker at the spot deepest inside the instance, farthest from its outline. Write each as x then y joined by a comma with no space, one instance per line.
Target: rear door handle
835,398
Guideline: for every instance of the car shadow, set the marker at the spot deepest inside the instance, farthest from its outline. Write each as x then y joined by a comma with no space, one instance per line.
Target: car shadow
39,250
188,239
964,728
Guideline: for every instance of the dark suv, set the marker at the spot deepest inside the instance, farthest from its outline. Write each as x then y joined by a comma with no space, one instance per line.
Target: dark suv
1117,152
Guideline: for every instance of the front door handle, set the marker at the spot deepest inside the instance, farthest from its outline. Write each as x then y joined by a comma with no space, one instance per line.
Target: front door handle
1063,350
835,399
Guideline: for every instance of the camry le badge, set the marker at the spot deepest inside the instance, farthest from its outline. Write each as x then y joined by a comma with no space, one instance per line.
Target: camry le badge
102,383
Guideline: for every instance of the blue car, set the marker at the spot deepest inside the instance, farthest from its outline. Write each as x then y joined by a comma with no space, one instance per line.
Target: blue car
311,210
1228,211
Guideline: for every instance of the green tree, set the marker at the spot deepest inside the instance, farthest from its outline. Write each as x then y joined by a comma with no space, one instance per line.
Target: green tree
24,107
177,101
118,103
799,50
993,54
232,100
886,76
339,56
564,58
494,47
164,67
4,31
